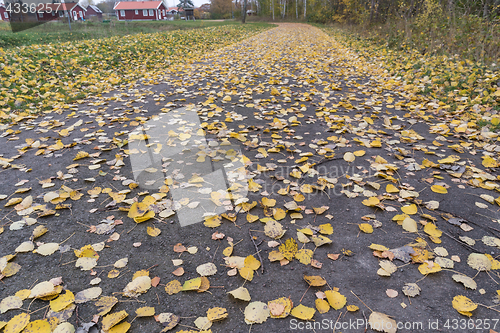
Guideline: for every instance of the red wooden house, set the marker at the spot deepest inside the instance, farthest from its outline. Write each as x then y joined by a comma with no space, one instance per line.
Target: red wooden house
140,10
78,12
54,11
174,10
93,12
4,14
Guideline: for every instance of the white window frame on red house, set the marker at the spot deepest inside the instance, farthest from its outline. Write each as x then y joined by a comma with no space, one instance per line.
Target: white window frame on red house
122,13
136,12
151,12
6,15
144,12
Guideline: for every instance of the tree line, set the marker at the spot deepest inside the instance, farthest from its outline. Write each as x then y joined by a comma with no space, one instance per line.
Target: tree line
354,11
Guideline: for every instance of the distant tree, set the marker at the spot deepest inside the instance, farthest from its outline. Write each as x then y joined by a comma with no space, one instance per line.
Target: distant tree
244,11
205,7
185,4
221,8
106,6
86,3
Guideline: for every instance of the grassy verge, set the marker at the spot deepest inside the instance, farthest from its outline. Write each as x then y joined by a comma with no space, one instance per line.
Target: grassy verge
57,32
452,84
47,77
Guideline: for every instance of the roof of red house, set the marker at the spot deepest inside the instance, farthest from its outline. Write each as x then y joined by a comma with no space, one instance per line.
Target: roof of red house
137,5
95,8
58,6
174,8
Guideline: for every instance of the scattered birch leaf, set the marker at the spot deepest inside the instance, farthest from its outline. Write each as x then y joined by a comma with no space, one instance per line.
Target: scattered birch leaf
465,280
256,313
87,295
463,305
335,299
315,280
10,303
382,322
105,304
303,312
241,293
146,311
193,284
216,314
112,319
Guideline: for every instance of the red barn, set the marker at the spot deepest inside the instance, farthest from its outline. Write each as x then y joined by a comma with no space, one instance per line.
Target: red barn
53,11
4,14
93,12
140,10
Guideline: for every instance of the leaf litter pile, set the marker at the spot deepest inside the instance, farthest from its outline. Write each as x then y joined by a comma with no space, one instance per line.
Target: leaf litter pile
358,203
